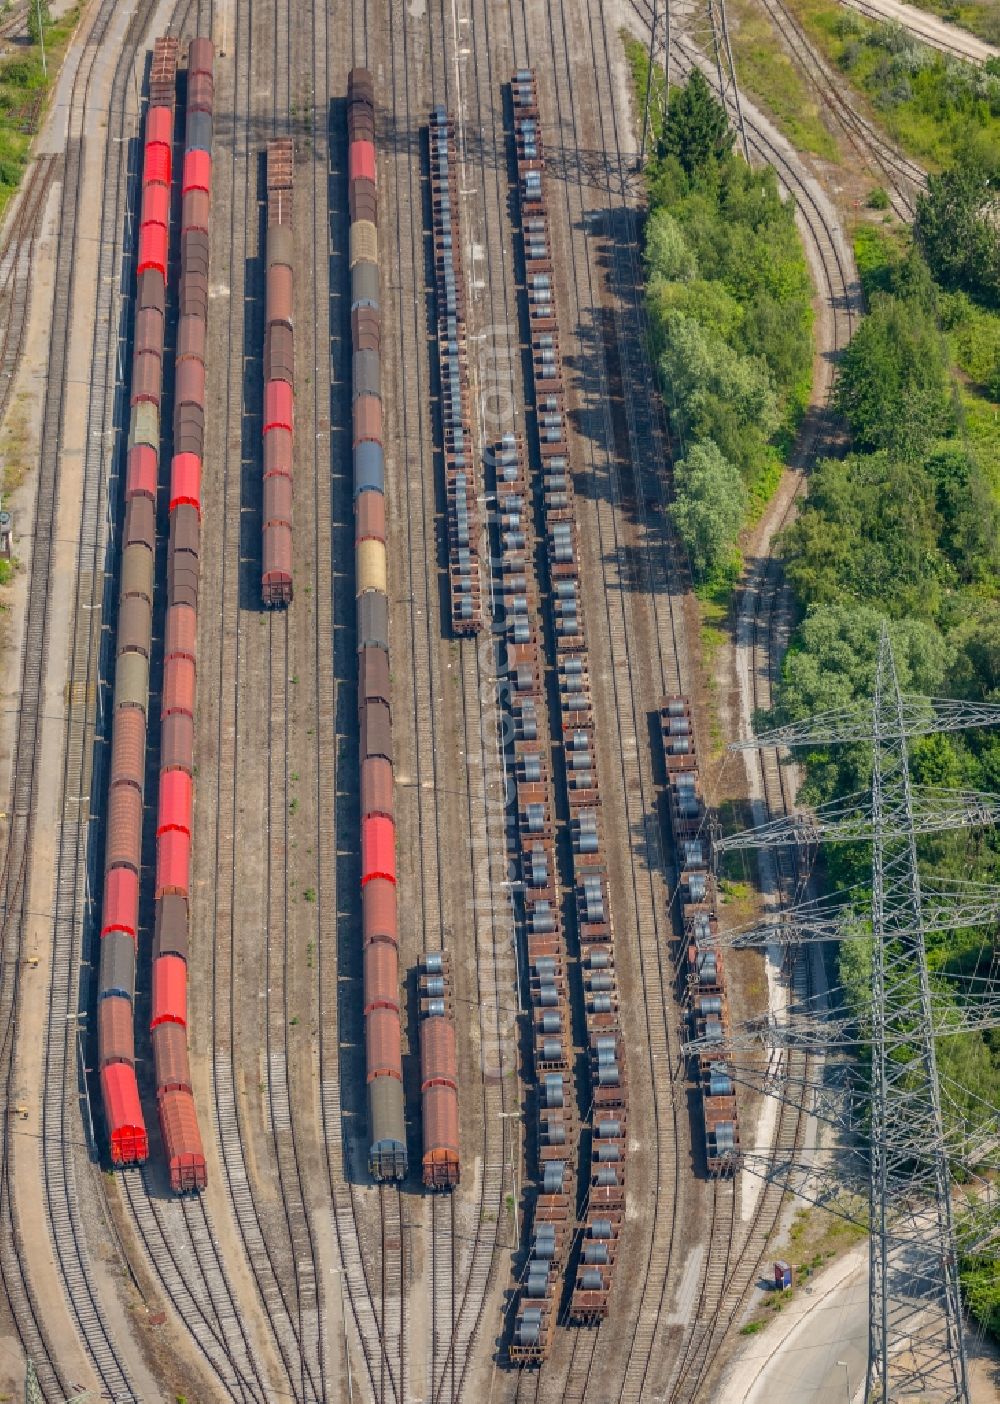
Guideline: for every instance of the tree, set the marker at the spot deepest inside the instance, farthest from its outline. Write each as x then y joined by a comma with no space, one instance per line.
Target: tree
956,227
894,387
705,373
34,31
967,510
667,252
697,129
709,507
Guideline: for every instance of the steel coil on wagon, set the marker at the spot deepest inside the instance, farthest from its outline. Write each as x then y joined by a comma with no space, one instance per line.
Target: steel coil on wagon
363,242
116,978
373,677
171,1066
175,802
120,911
386,1129
383,1048
128,747
379,914
170,933
376,787
115,1039
132,681
177,742
278,451
141,471
123,1113
370,565
369,515
182,1142
135,624
173,863
185,481
438,1052
381,976
277,499
373,619
181,632
376,730
378,849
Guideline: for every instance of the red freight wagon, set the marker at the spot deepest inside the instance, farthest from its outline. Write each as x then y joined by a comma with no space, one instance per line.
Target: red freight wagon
178,685
438,1056
175,802
376,786
182,1142
140,523
170,1058
369,516
173,862
148,330
194,211
181,631
373,676
201,56
378,910
439,1109
378,849
159,126
115,1035
126,1128
141,472
277,451
278,295
381,976
185,481
153,248
382,1044
277,498
128,747
124,826
155,206
191,338
361,161
190,384
278,405
156,162
147,375
367,412
169,991
121,901
197,173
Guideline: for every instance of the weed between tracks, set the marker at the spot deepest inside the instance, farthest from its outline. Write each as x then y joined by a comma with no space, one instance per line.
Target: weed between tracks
24,89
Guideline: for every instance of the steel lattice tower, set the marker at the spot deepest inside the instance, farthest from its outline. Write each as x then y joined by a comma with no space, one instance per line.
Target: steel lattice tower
916,1342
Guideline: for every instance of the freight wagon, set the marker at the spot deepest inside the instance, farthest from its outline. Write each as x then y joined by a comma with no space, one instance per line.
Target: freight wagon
438,1074
707,997
387,1155
279,379
128,1141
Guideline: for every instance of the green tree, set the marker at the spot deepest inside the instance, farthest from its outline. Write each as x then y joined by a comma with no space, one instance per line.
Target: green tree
704,370
956,227
709,507
894,387
34,32
667,252
968,514
697,129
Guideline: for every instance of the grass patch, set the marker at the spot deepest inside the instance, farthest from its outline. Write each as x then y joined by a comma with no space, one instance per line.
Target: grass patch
768,74
931,104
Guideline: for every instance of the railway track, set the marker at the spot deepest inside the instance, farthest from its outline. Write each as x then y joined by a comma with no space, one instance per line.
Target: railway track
904,178
16,263
965,46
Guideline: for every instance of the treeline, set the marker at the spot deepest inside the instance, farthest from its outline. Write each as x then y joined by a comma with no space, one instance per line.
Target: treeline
906,527
730,307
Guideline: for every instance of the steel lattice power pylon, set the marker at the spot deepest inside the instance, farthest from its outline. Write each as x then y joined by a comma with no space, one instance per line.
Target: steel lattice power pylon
916,1345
